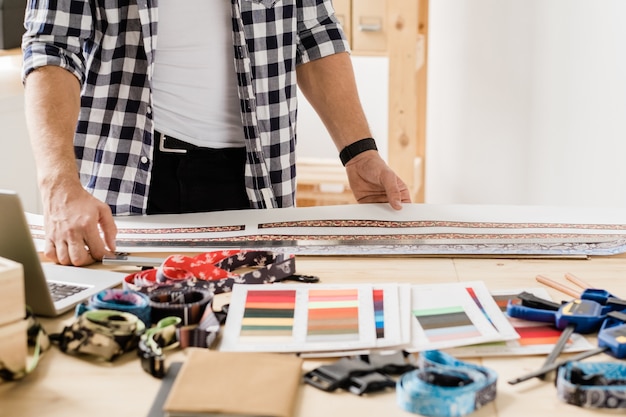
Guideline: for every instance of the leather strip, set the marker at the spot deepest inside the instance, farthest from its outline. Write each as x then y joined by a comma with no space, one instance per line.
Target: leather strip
592,384
445,387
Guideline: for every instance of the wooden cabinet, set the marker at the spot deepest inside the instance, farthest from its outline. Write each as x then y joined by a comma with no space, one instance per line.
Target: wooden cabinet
364,22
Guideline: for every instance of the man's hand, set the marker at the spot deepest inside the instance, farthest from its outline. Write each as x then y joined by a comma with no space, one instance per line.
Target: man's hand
373,181
73,221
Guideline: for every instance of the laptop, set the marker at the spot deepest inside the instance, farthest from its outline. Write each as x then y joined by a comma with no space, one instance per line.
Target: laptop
51,289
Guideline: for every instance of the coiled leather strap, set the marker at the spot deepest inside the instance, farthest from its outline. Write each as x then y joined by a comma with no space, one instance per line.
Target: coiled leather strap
443,386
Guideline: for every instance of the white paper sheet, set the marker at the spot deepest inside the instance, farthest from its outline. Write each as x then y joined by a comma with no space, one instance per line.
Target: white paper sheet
253,323
455,314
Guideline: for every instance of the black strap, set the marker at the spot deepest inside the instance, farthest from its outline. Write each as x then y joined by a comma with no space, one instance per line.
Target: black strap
352,150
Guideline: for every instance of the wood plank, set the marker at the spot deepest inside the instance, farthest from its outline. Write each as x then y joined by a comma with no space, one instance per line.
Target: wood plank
407,41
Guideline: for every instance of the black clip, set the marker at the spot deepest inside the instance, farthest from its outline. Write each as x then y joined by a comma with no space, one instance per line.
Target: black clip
532,301
394,363
372,382
151,361
308,279
338,374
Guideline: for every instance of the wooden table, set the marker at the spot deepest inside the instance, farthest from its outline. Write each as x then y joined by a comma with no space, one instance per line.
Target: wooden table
67,386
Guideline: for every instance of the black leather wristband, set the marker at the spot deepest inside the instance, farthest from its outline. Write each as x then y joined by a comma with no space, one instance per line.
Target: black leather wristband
356,148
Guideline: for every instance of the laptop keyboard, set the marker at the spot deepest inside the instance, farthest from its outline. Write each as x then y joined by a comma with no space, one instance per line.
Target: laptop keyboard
59,290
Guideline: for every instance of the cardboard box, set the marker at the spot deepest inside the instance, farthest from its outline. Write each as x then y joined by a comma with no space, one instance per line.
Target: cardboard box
14,346
12,298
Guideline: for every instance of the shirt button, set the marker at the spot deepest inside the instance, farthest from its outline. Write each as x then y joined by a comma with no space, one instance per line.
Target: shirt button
144,159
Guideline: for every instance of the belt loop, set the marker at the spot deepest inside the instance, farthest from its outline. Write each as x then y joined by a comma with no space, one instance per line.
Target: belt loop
162,147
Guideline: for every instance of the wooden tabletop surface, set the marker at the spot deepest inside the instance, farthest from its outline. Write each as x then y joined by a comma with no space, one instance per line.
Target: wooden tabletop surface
67,386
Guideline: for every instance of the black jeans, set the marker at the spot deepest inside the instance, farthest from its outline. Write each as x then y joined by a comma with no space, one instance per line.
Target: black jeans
200,180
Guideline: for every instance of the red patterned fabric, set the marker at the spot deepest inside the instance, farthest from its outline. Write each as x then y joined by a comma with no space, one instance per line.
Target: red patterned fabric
216,271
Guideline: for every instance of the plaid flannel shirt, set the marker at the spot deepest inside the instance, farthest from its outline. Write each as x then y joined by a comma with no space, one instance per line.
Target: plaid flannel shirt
109,46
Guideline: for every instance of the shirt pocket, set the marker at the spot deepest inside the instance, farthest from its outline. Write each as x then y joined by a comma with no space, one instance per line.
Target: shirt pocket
267,3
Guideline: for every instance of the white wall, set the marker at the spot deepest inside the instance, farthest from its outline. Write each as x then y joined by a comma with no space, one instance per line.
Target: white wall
17,166
371,75
527,102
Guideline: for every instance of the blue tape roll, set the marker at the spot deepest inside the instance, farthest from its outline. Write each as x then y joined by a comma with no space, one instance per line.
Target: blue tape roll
127,301
445,387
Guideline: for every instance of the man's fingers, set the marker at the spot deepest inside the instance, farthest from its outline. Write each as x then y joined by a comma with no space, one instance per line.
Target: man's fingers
109,230
50,251
79,254
395,189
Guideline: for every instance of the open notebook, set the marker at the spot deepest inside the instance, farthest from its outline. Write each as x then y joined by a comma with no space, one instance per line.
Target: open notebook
50,289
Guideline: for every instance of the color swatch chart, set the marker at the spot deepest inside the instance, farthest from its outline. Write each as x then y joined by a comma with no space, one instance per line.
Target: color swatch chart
303,318
456,314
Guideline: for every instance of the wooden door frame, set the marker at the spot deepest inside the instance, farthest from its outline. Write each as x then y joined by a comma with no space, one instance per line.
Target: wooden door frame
407,43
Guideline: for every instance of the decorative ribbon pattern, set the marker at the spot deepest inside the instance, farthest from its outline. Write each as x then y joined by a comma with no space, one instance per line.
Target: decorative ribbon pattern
121,300
213,271
199,326
37,338
592,384
105,334
188,304
443,386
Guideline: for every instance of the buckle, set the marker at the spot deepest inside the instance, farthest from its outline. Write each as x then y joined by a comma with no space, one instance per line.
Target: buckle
338,374
162,147
372,382
310,279
393,363
152,362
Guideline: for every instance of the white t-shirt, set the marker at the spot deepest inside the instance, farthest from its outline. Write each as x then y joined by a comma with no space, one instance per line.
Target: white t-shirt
194,83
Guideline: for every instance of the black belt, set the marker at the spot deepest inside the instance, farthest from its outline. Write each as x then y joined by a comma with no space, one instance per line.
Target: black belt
169,144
